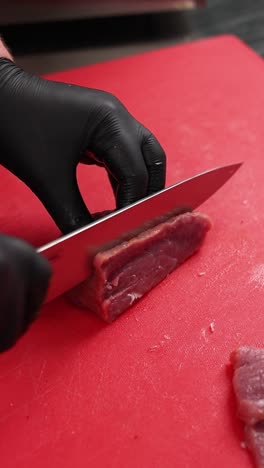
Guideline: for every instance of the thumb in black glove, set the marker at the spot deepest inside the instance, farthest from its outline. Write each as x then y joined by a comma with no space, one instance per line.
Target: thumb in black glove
24,277
47,128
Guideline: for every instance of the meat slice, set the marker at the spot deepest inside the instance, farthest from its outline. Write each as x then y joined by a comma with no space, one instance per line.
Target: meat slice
248,383
125,272
255,442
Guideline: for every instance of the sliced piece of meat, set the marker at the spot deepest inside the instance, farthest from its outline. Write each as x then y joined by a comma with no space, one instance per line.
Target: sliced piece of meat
255,442
125,272
248,383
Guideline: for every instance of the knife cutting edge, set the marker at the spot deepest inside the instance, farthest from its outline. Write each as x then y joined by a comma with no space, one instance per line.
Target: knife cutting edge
71,255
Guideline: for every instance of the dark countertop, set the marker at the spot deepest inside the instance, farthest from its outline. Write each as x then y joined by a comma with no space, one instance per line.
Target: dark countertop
244,18
47,47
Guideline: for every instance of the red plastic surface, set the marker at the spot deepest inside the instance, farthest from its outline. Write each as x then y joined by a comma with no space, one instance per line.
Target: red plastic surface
152,389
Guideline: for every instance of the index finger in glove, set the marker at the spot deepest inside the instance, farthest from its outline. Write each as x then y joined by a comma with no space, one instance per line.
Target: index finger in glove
155,160
125,162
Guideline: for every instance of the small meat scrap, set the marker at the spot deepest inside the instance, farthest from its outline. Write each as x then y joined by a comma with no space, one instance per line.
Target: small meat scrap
248,383
212,327
125,272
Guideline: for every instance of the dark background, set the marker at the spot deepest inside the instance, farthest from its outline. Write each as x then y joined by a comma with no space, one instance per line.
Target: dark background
54,46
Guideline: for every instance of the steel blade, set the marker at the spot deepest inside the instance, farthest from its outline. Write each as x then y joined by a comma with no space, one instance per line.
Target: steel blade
71,255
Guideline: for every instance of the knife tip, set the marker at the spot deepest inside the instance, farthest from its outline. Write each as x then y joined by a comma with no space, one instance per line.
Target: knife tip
236,166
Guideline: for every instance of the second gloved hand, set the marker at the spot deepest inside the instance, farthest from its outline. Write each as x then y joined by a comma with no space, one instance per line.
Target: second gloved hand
24,277
47,128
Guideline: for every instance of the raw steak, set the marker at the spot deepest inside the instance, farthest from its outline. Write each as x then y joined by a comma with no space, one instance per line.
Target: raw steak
125,272
248,382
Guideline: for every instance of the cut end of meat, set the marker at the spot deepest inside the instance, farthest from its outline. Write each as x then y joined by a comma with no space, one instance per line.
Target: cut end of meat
255,442
248,383
122,274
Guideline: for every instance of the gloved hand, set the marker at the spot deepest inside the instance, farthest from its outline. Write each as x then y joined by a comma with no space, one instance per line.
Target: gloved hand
24,278
47,128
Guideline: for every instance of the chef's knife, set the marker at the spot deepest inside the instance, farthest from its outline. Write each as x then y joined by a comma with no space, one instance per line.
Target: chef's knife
71,255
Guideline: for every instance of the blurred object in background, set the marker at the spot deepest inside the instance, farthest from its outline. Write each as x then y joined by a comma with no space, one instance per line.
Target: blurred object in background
53,35
22,11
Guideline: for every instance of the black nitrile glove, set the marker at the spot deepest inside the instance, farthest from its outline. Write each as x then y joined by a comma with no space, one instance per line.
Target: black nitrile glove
24,278
47,128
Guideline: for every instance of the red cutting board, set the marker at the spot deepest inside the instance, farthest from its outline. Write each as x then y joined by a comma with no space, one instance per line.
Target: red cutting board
151,390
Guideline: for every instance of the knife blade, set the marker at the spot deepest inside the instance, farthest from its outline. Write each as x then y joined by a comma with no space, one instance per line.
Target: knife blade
71,255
